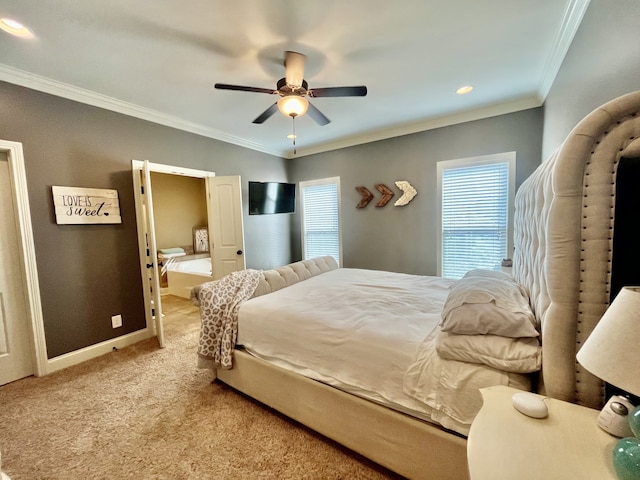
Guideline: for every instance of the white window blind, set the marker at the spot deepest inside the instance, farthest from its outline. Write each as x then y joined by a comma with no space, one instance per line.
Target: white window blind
321,218
476,200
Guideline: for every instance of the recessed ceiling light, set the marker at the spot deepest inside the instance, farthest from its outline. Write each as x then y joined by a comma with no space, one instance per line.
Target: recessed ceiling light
15,28
464,90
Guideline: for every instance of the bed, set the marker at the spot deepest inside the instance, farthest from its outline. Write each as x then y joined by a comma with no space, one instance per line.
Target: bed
184,273
569,260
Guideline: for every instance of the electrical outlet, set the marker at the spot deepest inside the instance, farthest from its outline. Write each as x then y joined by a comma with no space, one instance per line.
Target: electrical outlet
116,321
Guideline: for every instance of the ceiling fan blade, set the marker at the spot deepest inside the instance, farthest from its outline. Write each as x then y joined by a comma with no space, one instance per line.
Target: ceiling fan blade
294,68
241,88
317,115
267,113
359,91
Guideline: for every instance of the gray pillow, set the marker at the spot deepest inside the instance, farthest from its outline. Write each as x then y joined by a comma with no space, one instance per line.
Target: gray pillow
486,302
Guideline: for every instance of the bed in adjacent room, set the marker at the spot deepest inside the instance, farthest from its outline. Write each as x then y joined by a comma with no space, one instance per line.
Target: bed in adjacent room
183,270
389,364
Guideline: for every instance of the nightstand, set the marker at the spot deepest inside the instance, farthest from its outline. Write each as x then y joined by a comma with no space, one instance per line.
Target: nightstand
504,444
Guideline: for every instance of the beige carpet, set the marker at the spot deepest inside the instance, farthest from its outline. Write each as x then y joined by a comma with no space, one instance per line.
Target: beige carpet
146,413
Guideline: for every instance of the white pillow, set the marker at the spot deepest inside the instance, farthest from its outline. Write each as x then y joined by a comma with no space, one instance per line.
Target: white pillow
486,302
516,355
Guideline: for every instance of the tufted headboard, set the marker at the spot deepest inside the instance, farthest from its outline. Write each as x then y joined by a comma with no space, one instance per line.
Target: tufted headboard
293,273
563,232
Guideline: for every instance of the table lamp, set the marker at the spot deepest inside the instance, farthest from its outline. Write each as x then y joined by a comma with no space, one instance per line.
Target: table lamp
612,353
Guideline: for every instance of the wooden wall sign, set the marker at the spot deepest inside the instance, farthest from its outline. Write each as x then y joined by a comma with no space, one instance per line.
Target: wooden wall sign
77,205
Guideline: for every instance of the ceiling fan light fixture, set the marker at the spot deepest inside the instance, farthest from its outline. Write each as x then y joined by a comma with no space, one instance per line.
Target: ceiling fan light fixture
293,105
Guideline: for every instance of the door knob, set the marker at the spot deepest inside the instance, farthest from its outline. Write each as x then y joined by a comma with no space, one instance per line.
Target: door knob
239,252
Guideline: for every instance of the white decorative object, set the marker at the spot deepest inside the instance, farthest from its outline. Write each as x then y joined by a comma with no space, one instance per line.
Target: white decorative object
77,205
408,192
200,240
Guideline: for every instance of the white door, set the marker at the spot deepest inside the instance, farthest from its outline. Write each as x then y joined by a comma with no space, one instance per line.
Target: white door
151,253
224,209
16,360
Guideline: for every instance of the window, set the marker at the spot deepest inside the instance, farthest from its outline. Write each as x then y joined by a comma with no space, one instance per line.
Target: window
320,200
476,209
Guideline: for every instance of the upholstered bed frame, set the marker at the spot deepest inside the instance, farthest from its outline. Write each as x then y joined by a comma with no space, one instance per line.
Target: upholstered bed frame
564,225
564,237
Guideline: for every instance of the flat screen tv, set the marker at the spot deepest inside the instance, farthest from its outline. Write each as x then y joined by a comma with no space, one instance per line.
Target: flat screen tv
271,197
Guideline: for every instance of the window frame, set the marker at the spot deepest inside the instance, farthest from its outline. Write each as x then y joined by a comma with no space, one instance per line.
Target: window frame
504,157
311,183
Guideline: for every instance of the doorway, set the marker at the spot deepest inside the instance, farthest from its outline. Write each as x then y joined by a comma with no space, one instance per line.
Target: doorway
226,232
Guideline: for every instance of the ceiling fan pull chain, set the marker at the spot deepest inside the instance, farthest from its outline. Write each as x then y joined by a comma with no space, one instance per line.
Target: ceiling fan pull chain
293,119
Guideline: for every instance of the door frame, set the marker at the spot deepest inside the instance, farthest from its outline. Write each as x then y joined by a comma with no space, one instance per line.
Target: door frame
31,284
137,166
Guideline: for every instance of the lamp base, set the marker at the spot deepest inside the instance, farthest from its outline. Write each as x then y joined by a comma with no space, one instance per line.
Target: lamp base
626,459
634,422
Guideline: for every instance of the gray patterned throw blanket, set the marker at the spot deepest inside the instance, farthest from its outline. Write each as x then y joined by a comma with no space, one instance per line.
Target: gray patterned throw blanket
219,302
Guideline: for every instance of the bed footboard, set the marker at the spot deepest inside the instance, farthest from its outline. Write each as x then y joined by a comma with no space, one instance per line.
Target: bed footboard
293,273
411,447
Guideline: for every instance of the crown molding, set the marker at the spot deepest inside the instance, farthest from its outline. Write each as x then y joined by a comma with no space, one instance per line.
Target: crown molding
571,21
70,92
422,126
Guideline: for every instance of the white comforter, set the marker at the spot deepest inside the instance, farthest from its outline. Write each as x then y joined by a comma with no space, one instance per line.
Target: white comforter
357,329
362,331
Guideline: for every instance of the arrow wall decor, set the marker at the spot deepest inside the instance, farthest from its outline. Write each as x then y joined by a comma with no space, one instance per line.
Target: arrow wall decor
367,196
408,193
387,194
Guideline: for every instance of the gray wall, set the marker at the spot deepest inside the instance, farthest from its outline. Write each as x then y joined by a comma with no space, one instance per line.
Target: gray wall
404,239
88,273
602,63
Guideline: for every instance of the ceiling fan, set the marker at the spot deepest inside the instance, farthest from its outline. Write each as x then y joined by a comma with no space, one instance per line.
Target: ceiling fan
294,90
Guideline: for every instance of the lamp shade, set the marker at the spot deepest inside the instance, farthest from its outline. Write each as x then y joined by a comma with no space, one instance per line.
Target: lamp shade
293,105
612,351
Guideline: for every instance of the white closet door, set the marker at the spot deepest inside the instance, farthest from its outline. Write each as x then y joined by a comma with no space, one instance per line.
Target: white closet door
226,230
152,253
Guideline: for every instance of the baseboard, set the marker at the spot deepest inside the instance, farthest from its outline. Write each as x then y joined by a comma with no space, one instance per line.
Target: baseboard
93,351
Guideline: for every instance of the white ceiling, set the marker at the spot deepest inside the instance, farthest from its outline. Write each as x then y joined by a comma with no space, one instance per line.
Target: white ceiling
159,60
